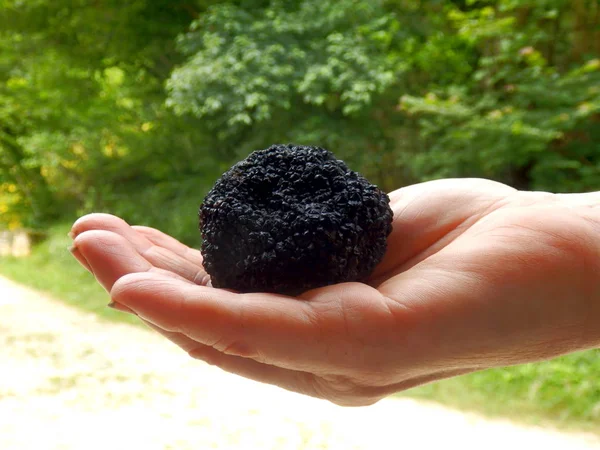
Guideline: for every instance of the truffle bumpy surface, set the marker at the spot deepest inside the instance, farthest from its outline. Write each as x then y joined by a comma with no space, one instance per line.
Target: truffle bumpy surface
292,218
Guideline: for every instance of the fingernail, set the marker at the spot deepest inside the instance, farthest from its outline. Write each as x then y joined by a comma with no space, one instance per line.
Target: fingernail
122,308
79,257
71,234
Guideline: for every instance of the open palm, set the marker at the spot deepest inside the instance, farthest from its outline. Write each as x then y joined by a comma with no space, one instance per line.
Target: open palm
476,275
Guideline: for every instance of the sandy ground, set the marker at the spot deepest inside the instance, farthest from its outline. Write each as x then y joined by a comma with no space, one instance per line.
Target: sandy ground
71,381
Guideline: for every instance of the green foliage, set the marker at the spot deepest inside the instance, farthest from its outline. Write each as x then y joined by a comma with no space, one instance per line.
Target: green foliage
560,392
500,89
312,72
245,66
82,108
105,103
530,109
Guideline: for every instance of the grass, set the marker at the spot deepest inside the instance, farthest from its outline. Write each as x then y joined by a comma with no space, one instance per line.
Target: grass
563,393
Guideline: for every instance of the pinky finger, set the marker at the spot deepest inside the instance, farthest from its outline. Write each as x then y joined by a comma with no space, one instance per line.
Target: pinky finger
291,380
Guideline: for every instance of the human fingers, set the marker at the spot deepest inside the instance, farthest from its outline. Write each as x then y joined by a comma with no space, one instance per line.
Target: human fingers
80,258
340,390
291,380
163,240
110,256
160,257
274,329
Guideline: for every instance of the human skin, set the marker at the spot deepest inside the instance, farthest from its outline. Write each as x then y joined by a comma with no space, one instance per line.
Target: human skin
477,275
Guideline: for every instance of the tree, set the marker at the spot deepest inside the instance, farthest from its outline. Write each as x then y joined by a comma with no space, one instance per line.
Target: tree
529,111
82,111
310,72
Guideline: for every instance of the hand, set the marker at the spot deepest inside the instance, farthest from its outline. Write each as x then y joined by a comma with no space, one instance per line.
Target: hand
477,275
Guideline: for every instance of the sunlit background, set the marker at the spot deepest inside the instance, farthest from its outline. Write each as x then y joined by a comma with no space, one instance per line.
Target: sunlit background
136,107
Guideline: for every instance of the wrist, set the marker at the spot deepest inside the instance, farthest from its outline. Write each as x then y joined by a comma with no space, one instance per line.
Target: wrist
587,207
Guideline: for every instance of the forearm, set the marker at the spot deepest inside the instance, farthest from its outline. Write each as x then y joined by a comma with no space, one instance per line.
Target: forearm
587,207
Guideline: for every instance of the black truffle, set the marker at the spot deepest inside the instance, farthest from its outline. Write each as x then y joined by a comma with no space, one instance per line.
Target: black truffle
292,218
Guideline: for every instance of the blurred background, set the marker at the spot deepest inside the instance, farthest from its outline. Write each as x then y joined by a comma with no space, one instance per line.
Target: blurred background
135,108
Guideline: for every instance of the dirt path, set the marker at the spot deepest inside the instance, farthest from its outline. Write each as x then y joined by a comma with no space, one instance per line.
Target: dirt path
71,381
